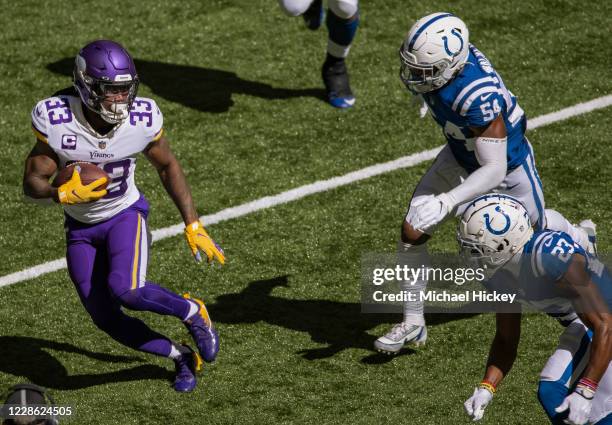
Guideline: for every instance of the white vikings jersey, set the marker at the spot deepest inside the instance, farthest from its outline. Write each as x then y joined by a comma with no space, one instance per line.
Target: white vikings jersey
59,122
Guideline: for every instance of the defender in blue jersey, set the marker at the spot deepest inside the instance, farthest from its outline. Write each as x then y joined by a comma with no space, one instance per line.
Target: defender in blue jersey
486,151
550,272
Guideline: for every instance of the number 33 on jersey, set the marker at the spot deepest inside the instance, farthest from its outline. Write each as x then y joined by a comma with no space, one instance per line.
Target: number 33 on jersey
59,122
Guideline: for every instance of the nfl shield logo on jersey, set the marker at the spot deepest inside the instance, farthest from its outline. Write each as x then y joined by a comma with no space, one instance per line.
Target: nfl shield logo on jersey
102,144
69,141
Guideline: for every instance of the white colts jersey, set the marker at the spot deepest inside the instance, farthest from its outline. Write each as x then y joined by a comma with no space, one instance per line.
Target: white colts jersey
59,122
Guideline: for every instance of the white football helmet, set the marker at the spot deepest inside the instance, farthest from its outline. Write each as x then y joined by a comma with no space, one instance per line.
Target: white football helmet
436,47
492,229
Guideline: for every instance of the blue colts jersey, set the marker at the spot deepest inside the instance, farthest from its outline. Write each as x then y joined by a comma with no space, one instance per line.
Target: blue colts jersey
545,259
473,98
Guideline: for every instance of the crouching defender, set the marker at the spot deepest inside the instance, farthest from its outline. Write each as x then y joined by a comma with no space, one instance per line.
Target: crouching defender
551,272
101,120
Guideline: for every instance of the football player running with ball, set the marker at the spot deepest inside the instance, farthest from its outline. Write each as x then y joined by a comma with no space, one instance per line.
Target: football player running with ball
342,22
549,272
101,120
486,150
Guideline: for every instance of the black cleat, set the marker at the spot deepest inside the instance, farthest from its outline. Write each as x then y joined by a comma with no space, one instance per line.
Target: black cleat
336,80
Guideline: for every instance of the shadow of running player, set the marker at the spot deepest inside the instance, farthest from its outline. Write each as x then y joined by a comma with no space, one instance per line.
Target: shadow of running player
28,357
340,325
203,89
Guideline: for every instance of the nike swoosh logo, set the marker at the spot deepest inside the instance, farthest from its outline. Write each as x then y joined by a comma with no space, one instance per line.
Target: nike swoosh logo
485,97
512,187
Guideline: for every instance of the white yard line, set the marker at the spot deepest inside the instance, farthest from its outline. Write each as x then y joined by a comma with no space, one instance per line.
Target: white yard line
317,187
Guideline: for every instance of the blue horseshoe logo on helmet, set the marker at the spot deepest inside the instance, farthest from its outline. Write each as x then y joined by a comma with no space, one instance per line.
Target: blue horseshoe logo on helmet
488,222
445,39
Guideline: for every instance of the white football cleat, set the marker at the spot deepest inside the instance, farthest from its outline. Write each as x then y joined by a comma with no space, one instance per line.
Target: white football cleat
400,334
591,230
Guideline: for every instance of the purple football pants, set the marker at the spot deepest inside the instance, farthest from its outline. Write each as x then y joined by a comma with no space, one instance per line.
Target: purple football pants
107,262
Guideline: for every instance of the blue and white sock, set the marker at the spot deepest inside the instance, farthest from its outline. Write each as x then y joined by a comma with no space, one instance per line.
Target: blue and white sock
341,33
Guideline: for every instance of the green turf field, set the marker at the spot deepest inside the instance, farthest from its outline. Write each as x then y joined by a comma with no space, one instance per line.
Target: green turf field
239,86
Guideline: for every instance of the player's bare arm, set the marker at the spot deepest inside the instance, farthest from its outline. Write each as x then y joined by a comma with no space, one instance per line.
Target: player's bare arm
40,165
503,348
496,129
501,358
594,312
172,177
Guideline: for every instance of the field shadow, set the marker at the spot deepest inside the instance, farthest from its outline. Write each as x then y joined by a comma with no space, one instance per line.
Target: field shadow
338,325
203,89
29,357
334,324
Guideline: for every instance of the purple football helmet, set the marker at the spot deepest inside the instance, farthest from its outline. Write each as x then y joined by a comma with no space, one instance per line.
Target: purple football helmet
104,69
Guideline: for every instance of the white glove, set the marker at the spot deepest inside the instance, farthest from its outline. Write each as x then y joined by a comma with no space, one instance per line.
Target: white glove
432,211
579,408
475,405
411,218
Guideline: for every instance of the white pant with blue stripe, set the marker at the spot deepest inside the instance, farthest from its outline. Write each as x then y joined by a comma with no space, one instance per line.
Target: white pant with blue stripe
566,366
522,183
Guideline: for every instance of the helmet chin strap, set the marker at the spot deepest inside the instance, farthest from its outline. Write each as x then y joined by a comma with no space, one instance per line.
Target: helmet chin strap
447,74
451,70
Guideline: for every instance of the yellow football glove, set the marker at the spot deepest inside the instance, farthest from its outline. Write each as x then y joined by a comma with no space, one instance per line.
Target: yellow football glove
198,239
74,192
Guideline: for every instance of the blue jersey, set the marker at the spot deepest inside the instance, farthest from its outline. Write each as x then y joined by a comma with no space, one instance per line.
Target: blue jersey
473,98
545,259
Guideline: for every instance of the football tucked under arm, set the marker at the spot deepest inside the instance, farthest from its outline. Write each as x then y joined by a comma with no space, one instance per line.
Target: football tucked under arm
88,173
87,183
